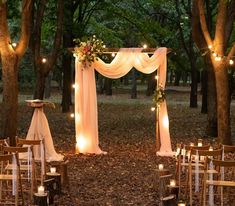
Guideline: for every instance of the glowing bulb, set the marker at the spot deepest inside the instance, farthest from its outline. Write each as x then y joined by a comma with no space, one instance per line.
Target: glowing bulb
214,54
210,46
44,60
113,54
156,77
145,46
81,143
94,36
152,109
218,58
72,115
14,44
104,46
231,62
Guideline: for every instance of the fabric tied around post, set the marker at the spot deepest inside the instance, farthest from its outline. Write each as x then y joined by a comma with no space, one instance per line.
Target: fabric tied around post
14,175
29,161
183,152
211,189
197,172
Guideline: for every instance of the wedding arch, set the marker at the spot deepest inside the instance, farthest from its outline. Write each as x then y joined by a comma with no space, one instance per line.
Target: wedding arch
86,120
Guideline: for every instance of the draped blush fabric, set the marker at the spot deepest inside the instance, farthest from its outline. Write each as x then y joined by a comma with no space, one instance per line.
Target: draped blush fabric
39,129
86,122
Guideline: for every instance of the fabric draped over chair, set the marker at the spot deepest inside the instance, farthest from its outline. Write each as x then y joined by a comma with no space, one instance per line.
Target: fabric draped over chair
86,120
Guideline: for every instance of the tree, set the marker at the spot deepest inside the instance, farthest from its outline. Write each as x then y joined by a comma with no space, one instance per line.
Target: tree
10,59
43,64
220,55
209,104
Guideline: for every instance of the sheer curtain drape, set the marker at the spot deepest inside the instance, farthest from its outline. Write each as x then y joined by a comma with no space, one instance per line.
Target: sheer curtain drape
86,121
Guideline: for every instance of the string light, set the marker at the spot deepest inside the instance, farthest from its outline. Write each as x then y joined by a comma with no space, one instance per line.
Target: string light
113,54
210,47
104,46
145,46
156,77
214,54
152,109
14,44
44,60
231,62
72,115
218,58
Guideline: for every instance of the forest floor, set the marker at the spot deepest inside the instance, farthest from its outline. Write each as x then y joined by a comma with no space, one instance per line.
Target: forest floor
126,175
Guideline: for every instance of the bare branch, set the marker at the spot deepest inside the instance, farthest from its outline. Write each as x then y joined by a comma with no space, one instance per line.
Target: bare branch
25,27
203,22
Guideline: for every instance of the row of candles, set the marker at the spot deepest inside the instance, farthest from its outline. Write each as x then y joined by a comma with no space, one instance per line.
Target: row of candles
41,188
172,184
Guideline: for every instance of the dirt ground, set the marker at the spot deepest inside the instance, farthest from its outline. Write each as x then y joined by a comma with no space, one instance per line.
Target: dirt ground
126,175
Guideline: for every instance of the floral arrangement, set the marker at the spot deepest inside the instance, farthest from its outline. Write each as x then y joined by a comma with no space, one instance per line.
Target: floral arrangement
88,50
159,96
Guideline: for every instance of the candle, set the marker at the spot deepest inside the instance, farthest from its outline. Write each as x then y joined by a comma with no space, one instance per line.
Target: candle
191,144
41,190
172,183
160,166
53,169
181,204
183,152
211,148
199,143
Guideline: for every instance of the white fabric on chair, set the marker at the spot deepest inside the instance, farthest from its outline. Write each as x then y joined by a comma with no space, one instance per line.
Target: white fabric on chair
86,101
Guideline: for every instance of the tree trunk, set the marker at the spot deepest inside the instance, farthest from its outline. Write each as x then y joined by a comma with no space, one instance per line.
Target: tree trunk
133,85
223,105
100,89
40,84
48,85
10,96
204,91
211,129
151,84
177,78
193,92
108,86
67,82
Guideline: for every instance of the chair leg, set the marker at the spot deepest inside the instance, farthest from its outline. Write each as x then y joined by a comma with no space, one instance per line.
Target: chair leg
190,185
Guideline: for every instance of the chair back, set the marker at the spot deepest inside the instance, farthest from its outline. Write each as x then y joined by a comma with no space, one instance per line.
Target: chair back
221,163
210,153
21,142
228,148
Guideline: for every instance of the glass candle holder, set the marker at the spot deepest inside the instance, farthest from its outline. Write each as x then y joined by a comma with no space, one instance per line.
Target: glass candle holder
160,167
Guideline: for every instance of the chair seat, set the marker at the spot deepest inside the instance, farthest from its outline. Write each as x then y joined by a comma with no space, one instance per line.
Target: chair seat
6,177
208,171
221,183
193,164
22,167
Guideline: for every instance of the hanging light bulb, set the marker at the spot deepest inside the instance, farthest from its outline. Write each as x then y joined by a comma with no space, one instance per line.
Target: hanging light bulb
214,54
104,46
44,60
156,77
72,115
231,62
152,109
209,46
14,44
113,54
145,46
218,58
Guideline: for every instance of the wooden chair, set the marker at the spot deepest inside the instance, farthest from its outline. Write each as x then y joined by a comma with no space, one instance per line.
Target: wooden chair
8,178
41,163
27,168
182,163
221,182
3,142
197,165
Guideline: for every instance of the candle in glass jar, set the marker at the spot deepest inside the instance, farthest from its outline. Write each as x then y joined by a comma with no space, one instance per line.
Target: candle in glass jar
172,183
211,148
191,144
41,190
160,166
53,169
199,143
181,204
